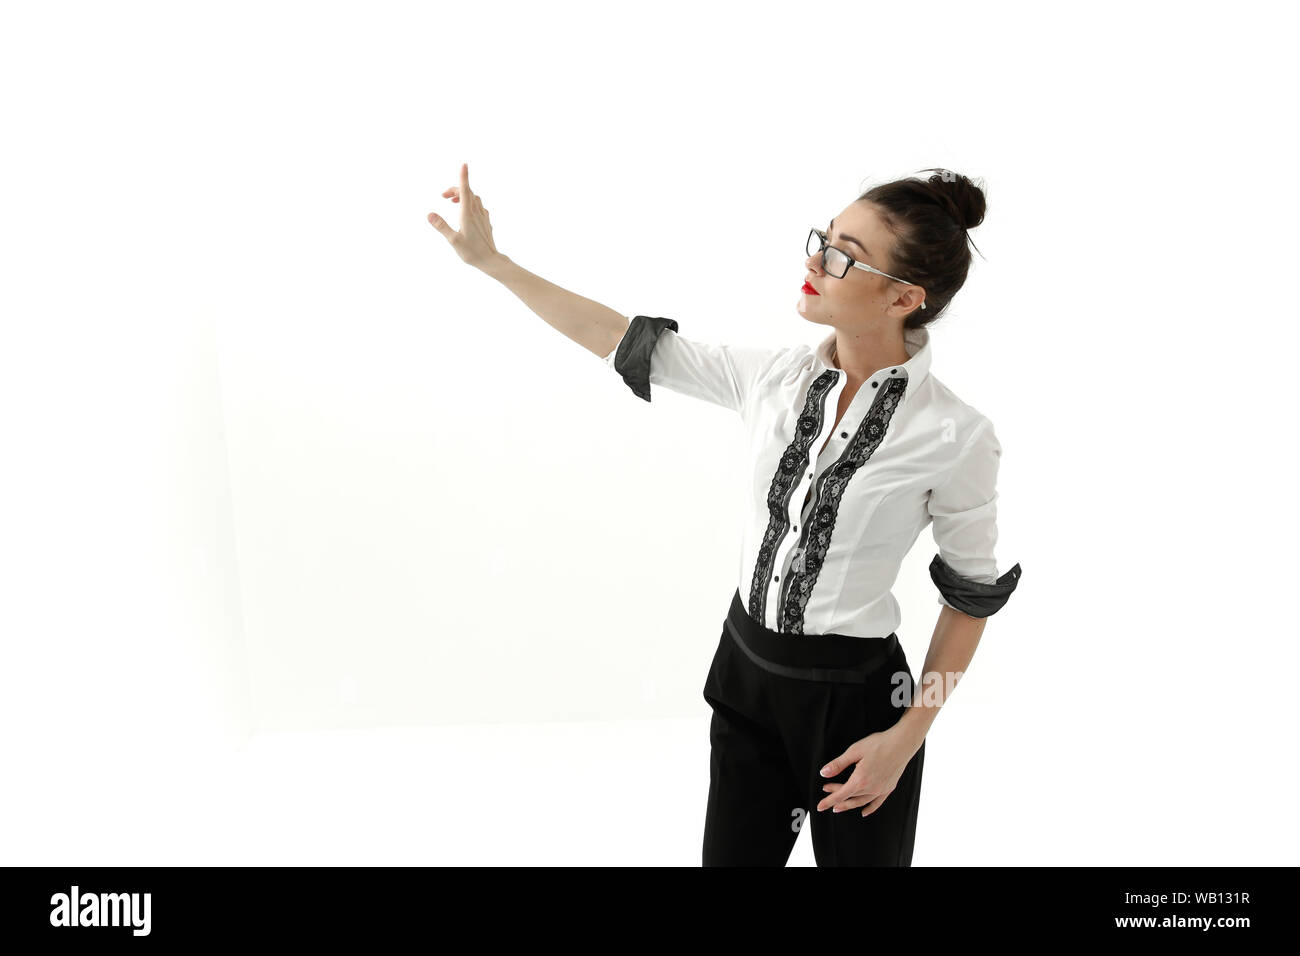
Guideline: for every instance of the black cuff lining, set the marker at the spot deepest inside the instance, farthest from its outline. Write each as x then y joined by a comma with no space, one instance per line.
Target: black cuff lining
632,360
973,597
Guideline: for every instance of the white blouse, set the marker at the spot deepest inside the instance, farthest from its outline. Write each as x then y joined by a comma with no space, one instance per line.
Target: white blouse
827,528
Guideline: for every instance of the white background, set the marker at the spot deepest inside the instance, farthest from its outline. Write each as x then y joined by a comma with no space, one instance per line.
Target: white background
318,546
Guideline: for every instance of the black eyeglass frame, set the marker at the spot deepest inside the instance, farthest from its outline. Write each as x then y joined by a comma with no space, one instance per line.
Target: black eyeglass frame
852,263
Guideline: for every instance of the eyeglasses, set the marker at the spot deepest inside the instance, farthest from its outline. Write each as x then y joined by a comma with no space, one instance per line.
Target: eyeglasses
837,262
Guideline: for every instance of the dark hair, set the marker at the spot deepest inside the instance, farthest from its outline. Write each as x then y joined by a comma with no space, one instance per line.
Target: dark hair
928,219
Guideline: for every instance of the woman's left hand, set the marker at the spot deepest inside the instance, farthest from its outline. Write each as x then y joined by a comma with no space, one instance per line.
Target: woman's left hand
881,759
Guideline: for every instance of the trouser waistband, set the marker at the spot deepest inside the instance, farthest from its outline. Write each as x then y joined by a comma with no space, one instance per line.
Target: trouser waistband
826,657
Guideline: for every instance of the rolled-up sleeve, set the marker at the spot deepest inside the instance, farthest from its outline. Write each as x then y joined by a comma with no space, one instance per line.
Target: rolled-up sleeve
964,512
724,375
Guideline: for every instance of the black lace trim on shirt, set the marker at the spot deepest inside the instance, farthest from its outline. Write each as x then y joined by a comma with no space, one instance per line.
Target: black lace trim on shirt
973,597
632,360
793,461
831,487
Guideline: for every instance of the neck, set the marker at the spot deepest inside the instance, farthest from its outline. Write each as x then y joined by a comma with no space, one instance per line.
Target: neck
862,354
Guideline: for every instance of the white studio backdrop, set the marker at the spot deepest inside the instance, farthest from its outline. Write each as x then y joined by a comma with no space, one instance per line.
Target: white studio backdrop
301,512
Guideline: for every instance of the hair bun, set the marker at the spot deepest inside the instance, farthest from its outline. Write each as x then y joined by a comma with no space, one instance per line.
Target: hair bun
963,200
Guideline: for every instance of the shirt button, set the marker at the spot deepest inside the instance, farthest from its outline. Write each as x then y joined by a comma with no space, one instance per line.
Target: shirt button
844,434
875,384
776,577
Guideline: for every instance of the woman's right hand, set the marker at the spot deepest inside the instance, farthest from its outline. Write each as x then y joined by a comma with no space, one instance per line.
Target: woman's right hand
473,242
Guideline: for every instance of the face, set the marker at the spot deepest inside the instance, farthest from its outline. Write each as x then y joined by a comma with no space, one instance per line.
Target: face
860,297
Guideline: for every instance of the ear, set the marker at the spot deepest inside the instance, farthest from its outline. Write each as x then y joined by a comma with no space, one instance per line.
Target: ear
913,298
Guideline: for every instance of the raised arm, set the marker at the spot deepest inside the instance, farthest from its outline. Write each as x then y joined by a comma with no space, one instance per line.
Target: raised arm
645,350
595,327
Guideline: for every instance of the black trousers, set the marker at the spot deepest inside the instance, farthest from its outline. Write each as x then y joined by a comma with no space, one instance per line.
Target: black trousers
783,706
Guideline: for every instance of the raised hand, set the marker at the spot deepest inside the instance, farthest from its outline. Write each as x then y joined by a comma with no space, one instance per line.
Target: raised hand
473,240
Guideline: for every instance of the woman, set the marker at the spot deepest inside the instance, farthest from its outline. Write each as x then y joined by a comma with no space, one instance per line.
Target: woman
856,446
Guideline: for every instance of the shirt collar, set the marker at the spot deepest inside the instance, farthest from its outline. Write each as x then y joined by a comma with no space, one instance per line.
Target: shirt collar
915,369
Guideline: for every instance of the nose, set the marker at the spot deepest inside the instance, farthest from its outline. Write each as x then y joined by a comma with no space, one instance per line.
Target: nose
814,262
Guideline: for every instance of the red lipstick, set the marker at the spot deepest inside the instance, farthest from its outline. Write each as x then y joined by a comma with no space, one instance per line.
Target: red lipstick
810,290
